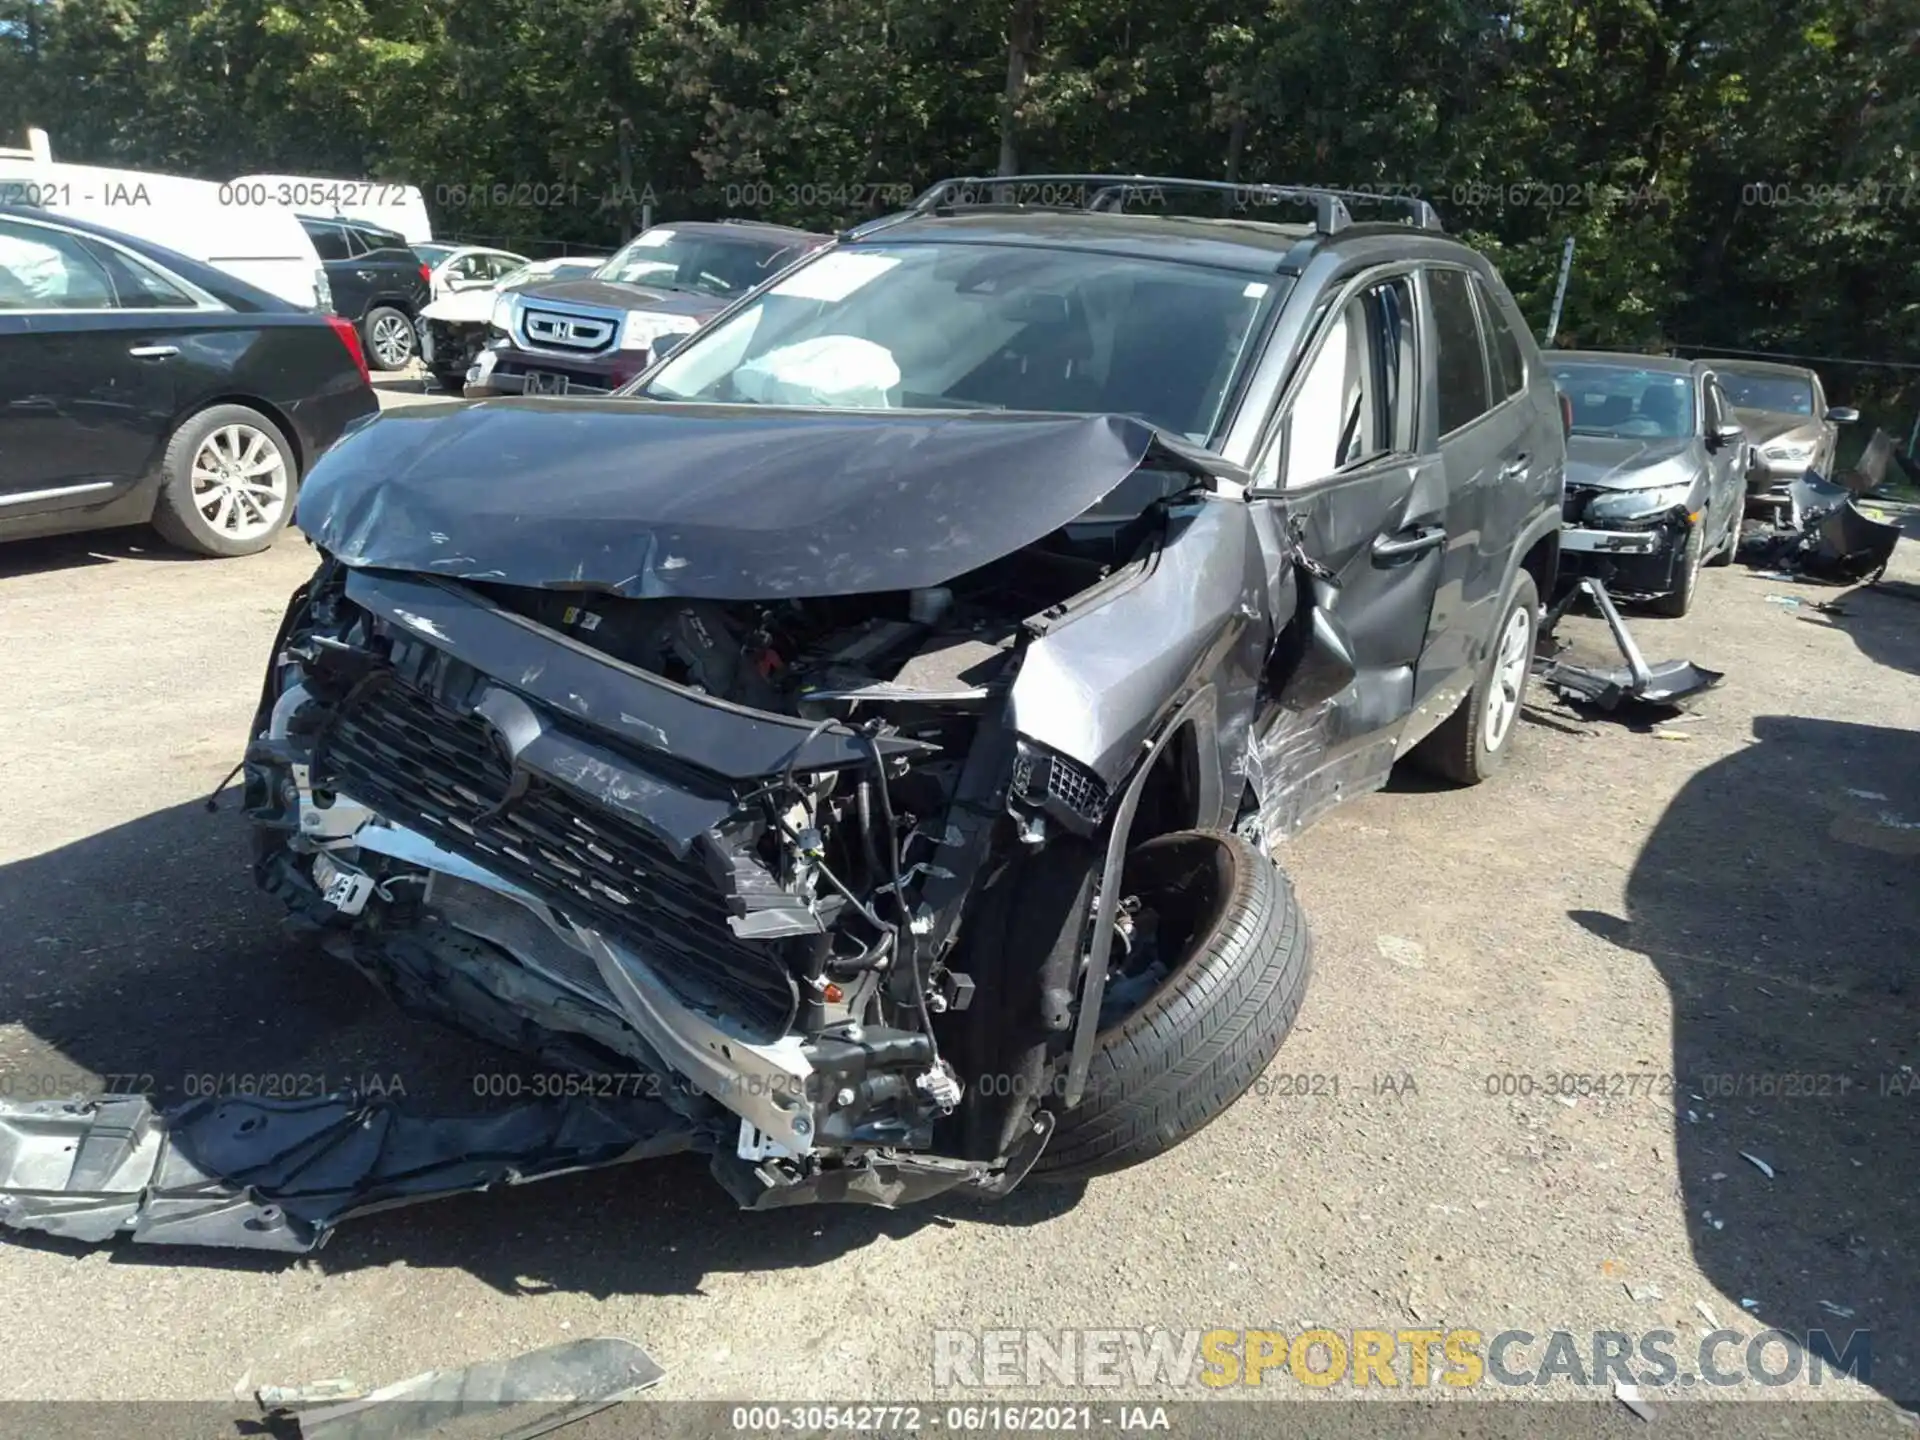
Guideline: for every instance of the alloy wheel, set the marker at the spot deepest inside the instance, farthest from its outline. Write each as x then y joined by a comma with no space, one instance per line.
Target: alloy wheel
240,482
1509,677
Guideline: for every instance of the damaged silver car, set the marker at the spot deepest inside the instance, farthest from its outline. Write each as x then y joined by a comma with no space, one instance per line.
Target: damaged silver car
875,724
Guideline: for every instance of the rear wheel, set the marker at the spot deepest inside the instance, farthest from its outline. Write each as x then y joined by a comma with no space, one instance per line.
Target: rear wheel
1470,744
229,482
1197,1001
389,336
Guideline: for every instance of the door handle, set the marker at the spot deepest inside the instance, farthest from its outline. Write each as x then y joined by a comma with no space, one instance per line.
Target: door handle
1515,466
1409,542
154,352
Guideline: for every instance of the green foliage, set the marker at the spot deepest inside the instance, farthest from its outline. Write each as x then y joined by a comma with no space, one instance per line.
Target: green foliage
1735,173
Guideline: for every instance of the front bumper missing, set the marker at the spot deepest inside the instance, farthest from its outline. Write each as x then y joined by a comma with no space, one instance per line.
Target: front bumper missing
1665,684
279,1175
1612,542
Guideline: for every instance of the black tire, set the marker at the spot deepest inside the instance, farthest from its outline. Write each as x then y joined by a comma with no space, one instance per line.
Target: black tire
1724,554
394,330
176,515
1676,603
1210,1027
1457,750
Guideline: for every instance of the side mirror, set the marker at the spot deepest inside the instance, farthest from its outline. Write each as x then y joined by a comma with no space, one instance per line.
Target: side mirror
667,344
1842,415
1724,435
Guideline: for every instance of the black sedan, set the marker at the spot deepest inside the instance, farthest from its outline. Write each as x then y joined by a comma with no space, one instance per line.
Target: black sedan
138,386
1656,466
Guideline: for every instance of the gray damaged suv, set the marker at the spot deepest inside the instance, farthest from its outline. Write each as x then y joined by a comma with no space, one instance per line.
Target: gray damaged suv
875,722
1656,466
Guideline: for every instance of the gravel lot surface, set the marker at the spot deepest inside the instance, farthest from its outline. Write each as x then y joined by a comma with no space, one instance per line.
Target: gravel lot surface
1719,922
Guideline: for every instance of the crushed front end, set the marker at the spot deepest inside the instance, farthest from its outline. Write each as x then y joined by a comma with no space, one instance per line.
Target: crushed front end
721,845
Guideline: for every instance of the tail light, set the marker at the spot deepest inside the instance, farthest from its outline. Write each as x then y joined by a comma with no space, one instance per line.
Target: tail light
426,274
1566,413
350,338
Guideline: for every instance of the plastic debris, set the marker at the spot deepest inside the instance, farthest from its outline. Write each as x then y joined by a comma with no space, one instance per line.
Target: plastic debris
1867,795
1629,1396
1718,1175
1757,1163
1641,1294
1671,735
1706,1314
1845,1312
1749,1304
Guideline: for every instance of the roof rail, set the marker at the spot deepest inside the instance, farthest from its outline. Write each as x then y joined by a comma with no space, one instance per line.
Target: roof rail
1111,193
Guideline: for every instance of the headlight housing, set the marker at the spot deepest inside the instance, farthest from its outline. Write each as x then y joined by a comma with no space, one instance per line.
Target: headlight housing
501,317
642,327
1638,504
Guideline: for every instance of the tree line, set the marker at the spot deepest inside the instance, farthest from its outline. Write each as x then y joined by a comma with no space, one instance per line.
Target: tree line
1734,173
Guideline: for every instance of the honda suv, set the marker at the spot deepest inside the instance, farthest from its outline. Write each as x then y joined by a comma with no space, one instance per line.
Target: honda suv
589,334
877,722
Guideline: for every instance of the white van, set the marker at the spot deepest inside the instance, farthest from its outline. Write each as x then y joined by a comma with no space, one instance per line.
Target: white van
400,208
264,245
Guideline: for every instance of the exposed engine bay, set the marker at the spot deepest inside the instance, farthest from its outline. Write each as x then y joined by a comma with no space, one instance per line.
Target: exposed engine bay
872,848
778,946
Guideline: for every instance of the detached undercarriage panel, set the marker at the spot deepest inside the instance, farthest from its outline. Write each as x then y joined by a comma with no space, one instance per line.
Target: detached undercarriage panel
279,1175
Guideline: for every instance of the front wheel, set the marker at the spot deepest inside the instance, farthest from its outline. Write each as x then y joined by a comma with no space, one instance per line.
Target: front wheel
1723,554
390,338
1197,1001
229,477
1677,602
1470,744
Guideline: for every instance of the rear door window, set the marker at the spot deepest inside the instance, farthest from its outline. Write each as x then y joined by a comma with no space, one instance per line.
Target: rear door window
329,240
44,269
1509,369
1460,367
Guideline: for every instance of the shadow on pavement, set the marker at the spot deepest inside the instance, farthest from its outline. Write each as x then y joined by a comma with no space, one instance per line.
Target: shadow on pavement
87,548
1779,897
1883,619
143,958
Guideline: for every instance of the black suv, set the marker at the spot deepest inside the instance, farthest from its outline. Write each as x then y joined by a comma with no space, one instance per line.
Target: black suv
877,722
378,285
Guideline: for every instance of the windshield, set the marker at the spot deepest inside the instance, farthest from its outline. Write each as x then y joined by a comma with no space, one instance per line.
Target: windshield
1627,402
1782,394
434,254
975,327
695,261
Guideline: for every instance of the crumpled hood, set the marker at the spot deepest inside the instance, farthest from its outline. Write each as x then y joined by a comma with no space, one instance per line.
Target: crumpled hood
1616,464
612,295
716,502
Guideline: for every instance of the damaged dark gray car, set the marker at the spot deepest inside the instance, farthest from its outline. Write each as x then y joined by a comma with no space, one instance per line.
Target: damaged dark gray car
875,724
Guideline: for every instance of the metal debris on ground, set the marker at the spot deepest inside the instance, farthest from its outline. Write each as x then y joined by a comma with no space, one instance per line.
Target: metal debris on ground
1845,1312
317,1392
514,1399
1758,1164
1629,1396
1706,1314
1664,685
